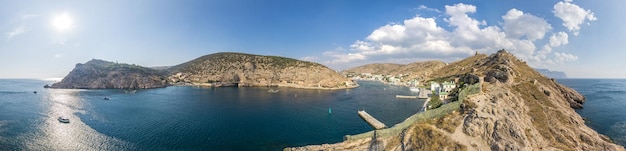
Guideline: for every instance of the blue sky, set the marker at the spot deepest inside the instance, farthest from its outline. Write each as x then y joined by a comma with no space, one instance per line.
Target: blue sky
44,39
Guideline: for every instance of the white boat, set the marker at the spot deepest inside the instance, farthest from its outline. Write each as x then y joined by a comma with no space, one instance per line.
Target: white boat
414,89
63,119
272,91
130,91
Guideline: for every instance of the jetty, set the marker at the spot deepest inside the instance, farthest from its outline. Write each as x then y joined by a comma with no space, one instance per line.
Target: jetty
406,96
371,120
423,94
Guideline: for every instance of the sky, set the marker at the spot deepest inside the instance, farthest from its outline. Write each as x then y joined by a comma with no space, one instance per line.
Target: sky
46,39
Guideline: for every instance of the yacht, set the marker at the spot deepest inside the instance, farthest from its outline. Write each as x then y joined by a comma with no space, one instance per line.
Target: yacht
414,89
63,119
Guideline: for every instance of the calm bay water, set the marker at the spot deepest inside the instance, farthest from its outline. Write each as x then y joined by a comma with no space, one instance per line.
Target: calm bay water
186,117
605,106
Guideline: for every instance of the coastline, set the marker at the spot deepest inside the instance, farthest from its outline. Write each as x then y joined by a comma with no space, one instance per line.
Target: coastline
277,85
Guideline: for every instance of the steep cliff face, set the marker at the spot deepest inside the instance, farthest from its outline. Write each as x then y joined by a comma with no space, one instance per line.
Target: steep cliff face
257,70
100,74
517,109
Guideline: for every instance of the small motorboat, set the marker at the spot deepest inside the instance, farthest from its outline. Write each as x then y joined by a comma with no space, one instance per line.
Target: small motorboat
130,91
63,119
273,91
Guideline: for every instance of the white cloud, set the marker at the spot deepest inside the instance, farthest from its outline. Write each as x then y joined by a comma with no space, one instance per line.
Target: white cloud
421,38
422,7
540,59
459,18
572,15
563,57
415,30
17,31
558,39
518,24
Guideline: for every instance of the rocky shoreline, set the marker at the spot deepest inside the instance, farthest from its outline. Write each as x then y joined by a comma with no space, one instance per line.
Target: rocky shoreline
260,85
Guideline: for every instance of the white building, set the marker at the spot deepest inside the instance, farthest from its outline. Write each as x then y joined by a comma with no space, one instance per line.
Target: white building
434,86
448,86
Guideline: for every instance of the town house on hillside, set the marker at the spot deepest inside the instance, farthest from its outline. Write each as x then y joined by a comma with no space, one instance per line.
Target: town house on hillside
442,89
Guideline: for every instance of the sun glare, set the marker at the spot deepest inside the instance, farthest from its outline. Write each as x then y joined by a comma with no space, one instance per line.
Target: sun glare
62,22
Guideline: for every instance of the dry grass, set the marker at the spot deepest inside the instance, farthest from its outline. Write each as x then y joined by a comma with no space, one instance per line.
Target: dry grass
393,143
547,121
459,67
448,122
424,137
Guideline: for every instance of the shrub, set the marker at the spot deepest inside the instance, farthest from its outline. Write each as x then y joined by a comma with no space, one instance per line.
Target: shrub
434,102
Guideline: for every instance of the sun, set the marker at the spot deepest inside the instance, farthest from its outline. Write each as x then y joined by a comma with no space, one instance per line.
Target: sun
62,22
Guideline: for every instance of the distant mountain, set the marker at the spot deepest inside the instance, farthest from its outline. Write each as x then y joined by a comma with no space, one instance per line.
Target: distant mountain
257,70
420,70
552,74
100,74
160,67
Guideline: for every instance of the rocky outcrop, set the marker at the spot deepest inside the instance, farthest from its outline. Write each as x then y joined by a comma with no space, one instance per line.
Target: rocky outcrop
255,70
574,98
100,74
517,109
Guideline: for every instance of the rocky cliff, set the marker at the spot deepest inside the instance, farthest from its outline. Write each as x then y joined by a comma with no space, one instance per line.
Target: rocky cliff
100,74
256,70
517,108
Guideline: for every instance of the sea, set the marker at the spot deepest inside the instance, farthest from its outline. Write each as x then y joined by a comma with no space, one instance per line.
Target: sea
198,118
604,109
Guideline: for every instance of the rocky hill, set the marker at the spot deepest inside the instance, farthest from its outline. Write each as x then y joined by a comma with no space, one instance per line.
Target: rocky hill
256,70
517,108
100,74
420,70
219,69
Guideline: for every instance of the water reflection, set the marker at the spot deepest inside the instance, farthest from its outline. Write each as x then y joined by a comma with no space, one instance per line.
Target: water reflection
76,135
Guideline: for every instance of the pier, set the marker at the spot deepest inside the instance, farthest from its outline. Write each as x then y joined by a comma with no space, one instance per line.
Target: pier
423,93
371,120
406,96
